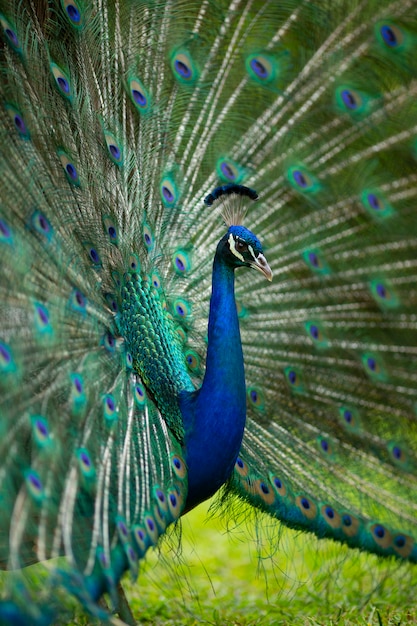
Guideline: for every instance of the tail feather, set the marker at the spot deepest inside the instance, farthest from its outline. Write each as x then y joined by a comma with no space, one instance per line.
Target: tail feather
330,348
117,119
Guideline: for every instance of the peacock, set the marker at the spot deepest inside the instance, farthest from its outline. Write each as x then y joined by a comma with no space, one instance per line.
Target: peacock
208,244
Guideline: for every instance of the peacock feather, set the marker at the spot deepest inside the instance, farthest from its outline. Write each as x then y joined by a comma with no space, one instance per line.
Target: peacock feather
141,368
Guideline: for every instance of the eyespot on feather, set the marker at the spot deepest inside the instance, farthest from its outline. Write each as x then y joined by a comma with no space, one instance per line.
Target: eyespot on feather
151,528
261,67
73,11
70,169
229,171
178,466
18,121
174,502
181,261
40,431
352,101
384,294
41,225
128,360
350,524
315,261
10,33
373,366
62,81
192,361
325,447
256,398
349,417
307,507
241,467
85,463
279,485
34,485
133,264
331,516
148,237
109,408
139,395
390,36
6,235
264,491
78,301
77,393
141,538
294,379
315,332
108,341
139,95
376,204
161,498
114,148
403,545
110,228
42,319
381,536
302,180
400,455
92,254
181,309
159,517
183,67
156,280
169,191
7,363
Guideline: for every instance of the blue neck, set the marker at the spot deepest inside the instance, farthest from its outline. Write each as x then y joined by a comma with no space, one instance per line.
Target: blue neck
214,417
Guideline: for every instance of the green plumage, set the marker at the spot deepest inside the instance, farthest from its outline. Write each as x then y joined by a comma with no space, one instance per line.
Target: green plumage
153,347
117,119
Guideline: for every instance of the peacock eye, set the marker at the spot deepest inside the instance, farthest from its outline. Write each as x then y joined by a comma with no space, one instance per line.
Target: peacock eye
241,246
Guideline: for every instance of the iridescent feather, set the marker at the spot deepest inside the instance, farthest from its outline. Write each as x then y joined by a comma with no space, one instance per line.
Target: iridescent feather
117,120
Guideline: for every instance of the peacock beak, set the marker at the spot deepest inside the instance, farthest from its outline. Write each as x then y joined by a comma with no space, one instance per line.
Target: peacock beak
261,264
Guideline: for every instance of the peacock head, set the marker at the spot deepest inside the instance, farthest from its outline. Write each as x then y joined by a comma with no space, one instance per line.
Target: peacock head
241,248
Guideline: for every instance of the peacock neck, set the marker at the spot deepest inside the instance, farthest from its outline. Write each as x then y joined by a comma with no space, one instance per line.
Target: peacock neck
214,417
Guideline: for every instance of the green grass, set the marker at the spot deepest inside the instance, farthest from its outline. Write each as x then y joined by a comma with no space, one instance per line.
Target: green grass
245,578
271,576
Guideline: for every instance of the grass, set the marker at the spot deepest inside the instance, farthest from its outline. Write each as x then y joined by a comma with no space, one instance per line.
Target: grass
250,577
246,578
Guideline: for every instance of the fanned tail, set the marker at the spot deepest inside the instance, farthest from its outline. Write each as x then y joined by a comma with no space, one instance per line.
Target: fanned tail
117,120
330,348
90,467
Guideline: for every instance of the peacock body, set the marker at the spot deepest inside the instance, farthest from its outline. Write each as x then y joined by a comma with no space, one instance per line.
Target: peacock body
119,409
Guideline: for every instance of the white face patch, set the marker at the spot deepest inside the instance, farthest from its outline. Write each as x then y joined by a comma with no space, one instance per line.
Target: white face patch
252,252
233,248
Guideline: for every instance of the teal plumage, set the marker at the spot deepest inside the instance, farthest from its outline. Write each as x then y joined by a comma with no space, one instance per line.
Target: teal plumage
117,120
